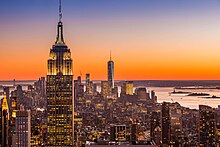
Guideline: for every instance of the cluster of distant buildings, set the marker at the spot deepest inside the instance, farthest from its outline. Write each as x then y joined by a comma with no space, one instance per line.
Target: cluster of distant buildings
134,117
15,125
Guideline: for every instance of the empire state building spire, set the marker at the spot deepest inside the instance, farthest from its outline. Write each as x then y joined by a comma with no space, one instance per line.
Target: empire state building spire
59,39
59,89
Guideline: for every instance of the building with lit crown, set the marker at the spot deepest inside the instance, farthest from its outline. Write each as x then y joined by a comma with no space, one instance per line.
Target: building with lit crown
4,121
59,88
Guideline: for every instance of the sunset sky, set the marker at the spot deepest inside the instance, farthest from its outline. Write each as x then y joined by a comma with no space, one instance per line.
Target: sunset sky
149,39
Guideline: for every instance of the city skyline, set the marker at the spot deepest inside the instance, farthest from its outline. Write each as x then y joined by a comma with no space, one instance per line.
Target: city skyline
185,47
146,41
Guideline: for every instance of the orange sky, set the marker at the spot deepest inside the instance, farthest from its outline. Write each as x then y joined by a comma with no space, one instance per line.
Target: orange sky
162,47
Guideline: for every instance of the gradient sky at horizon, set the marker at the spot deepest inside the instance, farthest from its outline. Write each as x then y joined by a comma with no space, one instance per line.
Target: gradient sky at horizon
149,39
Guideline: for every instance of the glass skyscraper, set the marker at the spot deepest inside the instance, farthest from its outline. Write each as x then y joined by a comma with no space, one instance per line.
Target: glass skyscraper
111,73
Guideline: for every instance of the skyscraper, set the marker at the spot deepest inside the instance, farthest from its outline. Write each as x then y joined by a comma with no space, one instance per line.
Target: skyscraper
111,72
207,127
134,133
12,127
59,88
118,133
127,88
105,89
89,85
0,122
155,127
23,128
165,124
5,121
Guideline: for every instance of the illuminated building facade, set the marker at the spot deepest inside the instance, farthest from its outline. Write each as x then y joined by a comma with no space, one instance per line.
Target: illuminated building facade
127,88
5,121
118,133
0,122
111,73
59,88
207,127
12,127
23,128
105,90
155,127
176,138
165,123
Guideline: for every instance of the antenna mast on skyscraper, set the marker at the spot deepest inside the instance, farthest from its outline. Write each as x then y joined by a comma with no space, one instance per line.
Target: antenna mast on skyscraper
60,11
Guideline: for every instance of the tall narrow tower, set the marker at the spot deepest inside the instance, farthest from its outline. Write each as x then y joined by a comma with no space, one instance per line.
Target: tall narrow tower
59,88
111,72
4,121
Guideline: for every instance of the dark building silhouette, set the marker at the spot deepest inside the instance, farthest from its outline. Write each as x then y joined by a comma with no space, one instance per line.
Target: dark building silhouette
89,85
134,133
165,110
142,94
111,72
207,127
153,96
59,88
118,133
79,99
155,127
40,86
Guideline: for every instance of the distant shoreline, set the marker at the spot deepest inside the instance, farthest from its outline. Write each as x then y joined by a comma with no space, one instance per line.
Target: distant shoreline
211,84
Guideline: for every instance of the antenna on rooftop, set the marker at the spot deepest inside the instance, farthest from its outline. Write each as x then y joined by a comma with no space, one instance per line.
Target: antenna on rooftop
60,11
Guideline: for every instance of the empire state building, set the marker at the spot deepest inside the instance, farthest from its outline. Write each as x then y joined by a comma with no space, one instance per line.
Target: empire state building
59,89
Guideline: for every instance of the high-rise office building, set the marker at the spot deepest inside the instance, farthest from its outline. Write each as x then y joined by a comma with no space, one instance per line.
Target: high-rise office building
40,86
59,88
217,120
87,78
12,127
105,90
166,122
7,91
111,72
176,136
155,127
5,121
89,85
207,127
134,133
23,128
142,94
0,122
153,96
118,133
127,88
79,98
